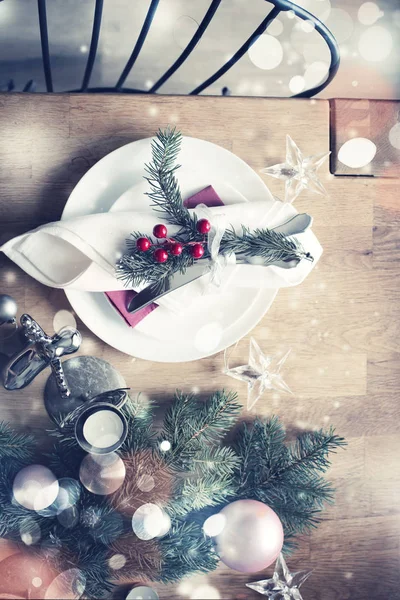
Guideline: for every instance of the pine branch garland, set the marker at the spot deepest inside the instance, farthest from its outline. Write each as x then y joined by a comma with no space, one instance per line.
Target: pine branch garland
194,479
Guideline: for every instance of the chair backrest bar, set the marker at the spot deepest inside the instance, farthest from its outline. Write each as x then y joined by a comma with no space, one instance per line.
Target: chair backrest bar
94,42
190,47
139,44
44,40
238,55
278,6
330,41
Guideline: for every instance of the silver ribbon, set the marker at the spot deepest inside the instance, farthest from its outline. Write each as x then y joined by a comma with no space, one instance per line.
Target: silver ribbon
215,235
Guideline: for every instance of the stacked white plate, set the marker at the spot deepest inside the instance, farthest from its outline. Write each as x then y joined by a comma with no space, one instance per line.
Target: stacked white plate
212,322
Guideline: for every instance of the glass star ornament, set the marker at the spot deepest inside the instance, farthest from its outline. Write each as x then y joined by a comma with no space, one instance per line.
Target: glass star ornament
283,585
261,373
299,172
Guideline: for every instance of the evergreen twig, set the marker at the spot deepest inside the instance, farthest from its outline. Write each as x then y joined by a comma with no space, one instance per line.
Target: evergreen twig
165,191
15,446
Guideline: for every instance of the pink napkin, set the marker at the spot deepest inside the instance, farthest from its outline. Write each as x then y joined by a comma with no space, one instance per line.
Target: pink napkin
120,299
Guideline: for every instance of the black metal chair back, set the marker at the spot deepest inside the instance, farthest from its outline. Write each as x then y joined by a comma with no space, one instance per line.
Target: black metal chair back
278,7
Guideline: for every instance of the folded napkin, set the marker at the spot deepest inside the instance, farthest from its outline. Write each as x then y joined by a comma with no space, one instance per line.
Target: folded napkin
120,299
81,253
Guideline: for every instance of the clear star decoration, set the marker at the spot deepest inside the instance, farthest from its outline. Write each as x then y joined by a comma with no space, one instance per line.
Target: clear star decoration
299,172
283,585
261,373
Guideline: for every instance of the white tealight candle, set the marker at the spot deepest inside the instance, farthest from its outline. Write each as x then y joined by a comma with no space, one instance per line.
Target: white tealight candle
103,429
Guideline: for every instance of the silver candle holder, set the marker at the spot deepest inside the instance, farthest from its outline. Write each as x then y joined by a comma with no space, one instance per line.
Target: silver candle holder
39,352
72,382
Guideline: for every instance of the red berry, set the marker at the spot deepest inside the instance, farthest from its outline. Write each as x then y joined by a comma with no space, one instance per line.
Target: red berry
143,244
176,248
160,231
160,255
197,250
203,226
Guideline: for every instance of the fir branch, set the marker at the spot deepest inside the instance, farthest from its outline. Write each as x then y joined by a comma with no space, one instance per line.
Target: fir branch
165,192
188,424
296,519
209,480
311,451
285,477
268,244
139,416
136,268
186,550
210,489
15,446
261,449
221,459
143,557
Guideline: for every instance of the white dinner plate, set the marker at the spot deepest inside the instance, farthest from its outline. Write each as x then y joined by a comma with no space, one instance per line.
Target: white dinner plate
211,323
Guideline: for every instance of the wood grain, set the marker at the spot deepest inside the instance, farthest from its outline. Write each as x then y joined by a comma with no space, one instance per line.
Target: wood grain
342,323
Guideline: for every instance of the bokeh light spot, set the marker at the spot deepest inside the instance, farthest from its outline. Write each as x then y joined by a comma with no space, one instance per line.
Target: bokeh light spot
150,521
375,44
205,592
307,26
63,318
69,585
369,13
117,561
29,531
165,446
145,483
394,136
341,24
316,73
266,53
297,84
214,525
275,28
142,592
102,474
357,152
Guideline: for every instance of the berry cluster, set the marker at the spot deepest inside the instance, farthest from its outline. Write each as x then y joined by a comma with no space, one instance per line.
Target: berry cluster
170,246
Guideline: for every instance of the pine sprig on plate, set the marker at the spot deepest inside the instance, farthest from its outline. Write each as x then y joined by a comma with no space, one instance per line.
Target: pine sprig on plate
165,191
137,267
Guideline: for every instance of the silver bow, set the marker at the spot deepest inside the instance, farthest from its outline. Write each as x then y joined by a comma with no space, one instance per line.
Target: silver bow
215,235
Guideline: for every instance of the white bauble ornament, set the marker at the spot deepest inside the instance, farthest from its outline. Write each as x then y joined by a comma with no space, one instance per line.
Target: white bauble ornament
251,537
35,487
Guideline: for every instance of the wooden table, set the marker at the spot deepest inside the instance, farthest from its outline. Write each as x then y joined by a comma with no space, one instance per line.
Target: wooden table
342,322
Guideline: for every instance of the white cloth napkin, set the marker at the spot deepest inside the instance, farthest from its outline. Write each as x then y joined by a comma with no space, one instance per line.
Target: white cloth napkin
81,253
